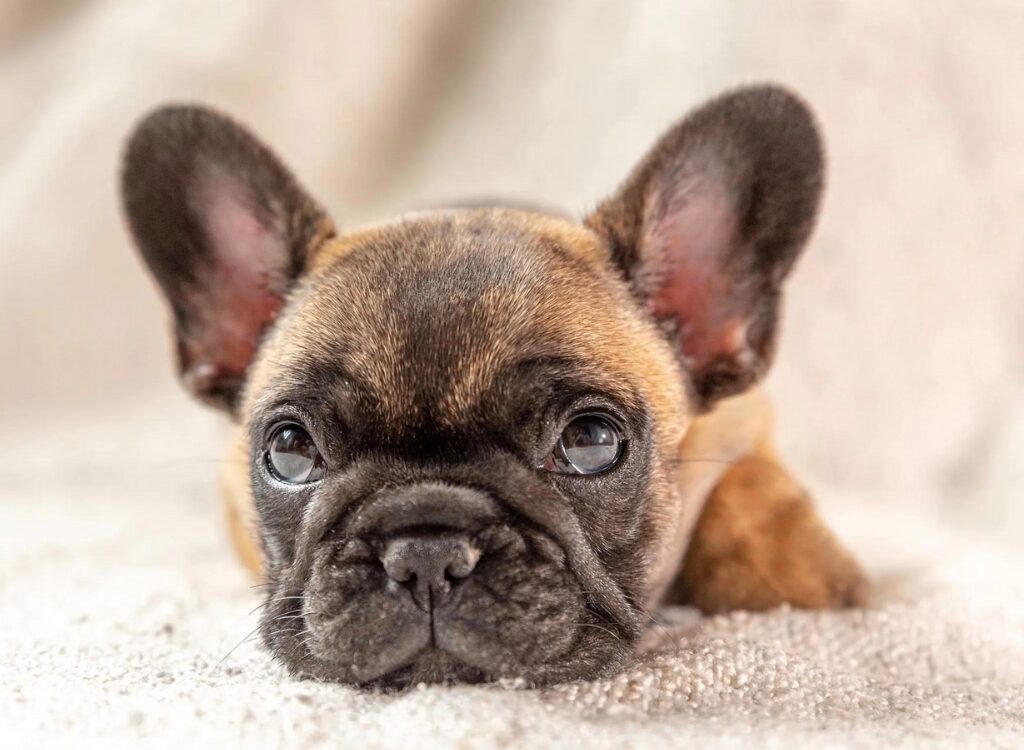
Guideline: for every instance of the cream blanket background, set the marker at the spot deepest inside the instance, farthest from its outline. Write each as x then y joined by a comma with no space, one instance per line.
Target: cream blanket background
900,382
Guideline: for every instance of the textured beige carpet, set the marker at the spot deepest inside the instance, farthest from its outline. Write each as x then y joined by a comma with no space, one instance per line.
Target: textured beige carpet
125,622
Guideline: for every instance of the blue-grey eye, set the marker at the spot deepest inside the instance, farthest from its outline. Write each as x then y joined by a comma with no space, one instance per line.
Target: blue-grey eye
292,456
589,444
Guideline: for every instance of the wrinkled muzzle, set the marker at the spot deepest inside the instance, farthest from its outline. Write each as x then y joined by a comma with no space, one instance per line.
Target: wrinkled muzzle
436,582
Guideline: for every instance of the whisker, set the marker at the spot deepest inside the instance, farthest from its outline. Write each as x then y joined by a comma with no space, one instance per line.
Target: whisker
304,644
279,631
234,648
286,618
275,600
610,632
673,636
726,461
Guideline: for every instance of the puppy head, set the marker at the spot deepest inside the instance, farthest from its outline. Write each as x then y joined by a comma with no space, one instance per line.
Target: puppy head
463,425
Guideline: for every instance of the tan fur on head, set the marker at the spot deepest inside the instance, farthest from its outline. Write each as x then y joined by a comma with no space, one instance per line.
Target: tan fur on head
563,303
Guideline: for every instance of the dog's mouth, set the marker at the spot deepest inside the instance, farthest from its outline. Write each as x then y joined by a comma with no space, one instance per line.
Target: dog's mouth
391,619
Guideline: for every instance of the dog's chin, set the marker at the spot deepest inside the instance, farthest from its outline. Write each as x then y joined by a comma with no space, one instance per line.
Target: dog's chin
431,666
437,666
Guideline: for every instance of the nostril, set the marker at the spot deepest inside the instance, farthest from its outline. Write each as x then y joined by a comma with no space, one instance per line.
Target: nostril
428,565
396,565
463,563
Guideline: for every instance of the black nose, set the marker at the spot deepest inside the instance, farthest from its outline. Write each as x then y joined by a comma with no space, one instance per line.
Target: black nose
429,564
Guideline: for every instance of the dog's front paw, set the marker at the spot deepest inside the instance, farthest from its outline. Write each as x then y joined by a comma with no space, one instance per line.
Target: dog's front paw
760,543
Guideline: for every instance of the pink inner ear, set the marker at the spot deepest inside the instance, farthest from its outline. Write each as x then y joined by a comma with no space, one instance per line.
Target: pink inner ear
687,244
240,297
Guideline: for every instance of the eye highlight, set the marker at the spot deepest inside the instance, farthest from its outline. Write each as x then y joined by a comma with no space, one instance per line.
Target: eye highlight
589,444
292,456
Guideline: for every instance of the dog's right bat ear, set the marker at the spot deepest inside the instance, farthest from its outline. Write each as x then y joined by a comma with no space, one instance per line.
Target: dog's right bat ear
225,229
709,224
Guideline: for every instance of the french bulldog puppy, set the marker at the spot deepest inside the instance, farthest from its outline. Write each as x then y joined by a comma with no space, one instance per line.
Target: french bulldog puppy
488,443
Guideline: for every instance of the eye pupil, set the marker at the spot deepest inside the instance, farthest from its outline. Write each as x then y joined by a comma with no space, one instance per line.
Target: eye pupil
293,456
589,444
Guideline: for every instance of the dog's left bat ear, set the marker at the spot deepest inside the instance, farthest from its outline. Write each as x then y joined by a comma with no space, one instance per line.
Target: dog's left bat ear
226,230
709,224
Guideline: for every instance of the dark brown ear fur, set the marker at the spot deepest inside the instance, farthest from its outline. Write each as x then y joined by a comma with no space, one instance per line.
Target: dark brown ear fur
224,228
710,222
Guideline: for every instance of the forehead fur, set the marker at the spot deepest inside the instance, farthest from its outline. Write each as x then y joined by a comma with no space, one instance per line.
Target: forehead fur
426,311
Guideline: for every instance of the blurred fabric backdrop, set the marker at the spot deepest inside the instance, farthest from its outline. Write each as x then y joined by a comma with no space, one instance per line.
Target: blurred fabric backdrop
900,378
